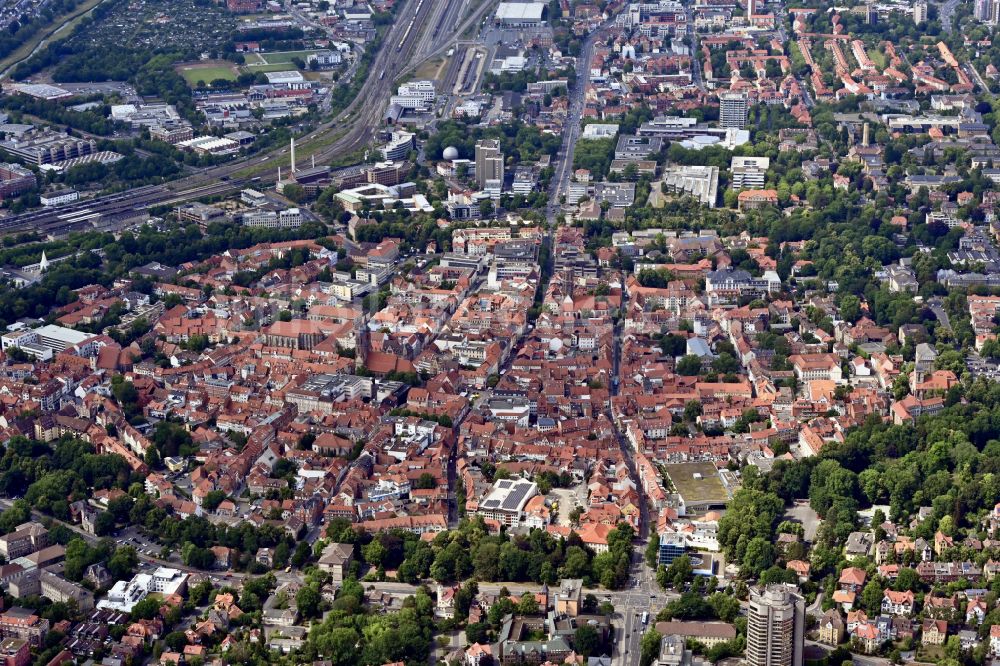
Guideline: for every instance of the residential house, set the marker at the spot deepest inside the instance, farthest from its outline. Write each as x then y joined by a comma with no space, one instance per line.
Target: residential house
897,603
831,628
933,632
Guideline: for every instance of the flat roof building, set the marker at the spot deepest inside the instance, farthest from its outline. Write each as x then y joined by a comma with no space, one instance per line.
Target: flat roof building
701,182
49,340
600,131
671,547
749,172
520,14
505,502
733,109
634,148
126,594
285,77
699,487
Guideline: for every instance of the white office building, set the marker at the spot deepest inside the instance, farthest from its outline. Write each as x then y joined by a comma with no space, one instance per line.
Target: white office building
126,594
701,182
270,219
398,147
59,197
775,627
733,109
252,197
416,95
520,14
749,172
505,502
46,341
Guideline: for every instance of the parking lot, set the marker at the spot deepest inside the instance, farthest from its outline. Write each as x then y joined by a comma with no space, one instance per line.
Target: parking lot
802,513
131,536
569,499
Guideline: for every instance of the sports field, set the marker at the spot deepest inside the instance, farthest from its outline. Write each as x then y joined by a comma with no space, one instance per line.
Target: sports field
285,56
206,72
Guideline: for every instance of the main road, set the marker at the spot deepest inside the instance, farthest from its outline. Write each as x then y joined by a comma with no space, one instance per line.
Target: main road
946,14
571,130
642,596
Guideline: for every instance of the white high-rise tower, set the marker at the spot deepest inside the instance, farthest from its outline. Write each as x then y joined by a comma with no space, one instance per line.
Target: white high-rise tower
775,627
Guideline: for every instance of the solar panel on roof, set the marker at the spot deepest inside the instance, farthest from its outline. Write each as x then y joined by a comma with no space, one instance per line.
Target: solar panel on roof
514,499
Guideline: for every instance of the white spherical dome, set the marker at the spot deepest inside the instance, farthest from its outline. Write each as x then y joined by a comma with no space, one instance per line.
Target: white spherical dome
450,153
555,344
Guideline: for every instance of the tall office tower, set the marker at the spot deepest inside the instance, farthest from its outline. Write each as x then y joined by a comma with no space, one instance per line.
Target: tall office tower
733,108
775,627
871,14
920,12
982,10
489,162
990,11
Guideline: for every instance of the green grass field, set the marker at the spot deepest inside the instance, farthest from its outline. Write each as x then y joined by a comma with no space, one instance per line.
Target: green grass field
284,56
276,67
698,482
877,57
207,73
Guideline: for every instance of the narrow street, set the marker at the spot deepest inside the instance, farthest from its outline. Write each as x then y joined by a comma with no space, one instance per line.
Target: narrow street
936,305
642,595
626,448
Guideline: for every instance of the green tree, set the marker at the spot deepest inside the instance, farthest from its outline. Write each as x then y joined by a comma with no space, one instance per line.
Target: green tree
338,644
175,640
307,599
680,571
759,556
426,481
586,640
652,552
104,524
649,647
123,563
751,513
908,579
374,553
146,609
528,605
212,500
871,597
689,366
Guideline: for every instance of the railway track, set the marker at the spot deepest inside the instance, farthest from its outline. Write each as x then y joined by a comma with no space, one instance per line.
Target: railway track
84,214
408,44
